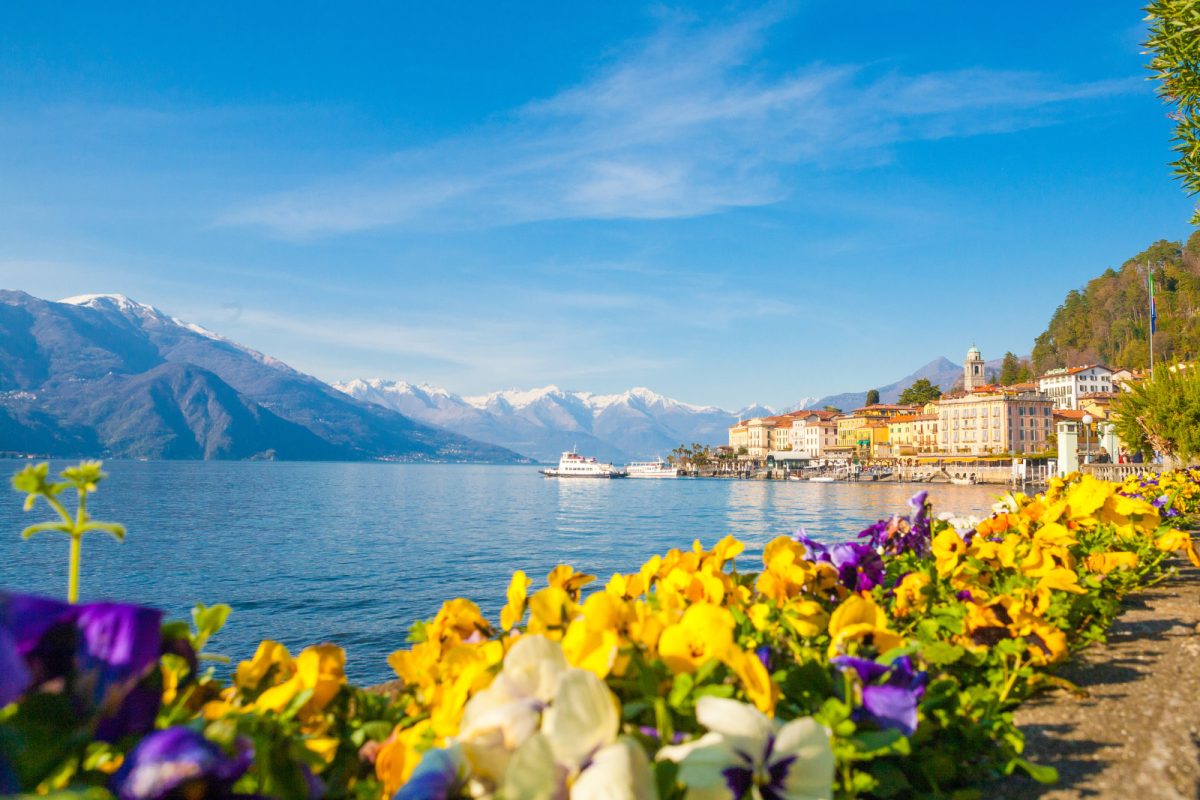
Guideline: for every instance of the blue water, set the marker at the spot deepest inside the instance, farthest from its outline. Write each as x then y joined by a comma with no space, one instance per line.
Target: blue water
354,553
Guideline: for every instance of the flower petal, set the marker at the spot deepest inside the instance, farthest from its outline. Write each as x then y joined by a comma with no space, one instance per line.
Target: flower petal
810,775
533,774
533,668
619,771
585,716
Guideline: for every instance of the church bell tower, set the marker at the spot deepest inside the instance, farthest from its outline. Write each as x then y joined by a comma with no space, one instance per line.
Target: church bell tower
973,375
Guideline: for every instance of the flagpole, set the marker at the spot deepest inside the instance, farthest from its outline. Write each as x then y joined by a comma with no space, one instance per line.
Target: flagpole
1153,314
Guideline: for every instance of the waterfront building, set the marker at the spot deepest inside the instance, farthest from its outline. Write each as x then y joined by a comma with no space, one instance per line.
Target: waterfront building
752,434
779,436
994,419
974,371
910,434
852,428
813,432
1067,384
864,431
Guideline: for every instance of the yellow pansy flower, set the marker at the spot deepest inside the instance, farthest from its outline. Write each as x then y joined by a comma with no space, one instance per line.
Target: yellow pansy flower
1105,563
566,578
550,611
269,656
807,618
456,620
398,757
324,748
704,632
514,609
626,587
1087,497
321,669
589,648
1061,579
859,619
911,594
755,680
1174,541
948,551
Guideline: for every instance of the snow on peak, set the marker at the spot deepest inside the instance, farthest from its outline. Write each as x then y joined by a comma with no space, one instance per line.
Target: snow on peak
127,306
517,398
384,386
118,301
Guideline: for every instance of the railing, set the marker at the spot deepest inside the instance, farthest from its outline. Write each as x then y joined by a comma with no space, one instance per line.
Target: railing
1118,472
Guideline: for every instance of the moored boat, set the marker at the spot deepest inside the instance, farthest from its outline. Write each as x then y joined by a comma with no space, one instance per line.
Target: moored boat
650,469
573,465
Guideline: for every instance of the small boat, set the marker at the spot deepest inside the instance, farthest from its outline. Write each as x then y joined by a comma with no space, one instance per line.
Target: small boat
823,479
573,465
650,469
963,481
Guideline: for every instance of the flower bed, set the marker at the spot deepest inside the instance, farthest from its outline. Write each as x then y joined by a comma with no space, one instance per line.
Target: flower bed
884,666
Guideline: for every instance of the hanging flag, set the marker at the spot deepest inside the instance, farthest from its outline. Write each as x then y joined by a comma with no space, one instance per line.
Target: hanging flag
1153,309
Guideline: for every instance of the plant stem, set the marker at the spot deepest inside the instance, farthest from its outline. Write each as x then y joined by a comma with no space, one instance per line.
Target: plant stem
73,580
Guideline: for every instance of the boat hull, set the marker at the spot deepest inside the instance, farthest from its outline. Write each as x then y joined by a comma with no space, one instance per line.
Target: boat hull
552,473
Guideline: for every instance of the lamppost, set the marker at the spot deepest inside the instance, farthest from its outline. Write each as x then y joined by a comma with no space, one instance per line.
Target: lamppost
1087,438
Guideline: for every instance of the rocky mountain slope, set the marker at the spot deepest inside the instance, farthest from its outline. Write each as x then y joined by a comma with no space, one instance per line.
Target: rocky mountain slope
104,375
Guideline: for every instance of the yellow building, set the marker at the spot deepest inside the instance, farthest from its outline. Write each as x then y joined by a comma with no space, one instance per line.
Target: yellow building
867,428
910,434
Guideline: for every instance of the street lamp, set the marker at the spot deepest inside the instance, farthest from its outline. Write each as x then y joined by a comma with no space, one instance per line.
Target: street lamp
1087,438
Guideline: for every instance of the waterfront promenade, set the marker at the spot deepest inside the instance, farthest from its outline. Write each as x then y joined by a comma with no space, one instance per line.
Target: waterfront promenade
1134,730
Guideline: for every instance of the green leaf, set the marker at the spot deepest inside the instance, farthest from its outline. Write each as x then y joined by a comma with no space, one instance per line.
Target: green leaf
1041,773
44,526
680,691
940,654
115,528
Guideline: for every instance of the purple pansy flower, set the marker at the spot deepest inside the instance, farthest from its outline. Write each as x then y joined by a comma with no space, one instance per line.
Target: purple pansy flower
859,567
97,651
890,694
179,762
900,535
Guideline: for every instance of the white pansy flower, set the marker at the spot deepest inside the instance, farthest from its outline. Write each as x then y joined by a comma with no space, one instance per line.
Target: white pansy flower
744,751
498,719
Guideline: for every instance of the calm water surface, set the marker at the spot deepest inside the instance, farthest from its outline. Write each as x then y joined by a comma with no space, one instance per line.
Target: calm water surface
354,553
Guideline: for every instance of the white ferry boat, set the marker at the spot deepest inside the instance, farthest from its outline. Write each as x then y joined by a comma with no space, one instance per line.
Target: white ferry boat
650,469
573,465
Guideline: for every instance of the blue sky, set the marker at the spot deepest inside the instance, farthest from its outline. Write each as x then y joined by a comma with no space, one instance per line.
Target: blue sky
727,203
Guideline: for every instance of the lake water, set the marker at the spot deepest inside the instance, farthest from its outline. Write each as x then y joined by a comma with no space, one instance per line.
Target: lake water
354,553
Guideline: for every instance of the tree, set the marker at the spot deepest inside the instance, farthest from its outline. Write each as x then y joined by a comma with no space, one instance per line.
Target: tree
832,409
872,397
1010,369
920,393
1162,414
1175,61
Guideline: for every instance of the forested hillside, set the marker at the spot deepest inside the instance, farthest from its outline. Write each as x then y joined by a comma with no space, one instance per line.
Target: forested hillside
1108,320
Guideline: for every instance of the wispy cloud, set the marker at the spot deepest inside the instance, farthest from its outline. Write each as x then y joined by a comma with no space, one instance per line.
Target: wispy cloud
685,123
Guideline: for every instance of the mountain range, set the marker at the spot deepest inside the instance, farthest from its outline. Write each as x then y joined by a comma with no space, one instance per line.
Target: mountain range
634,425
104,375
542,423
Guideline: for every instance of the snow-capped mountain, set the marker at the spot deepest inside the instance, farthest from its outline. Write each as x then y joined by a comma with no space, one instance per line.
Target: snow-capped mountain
541,423
105,375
